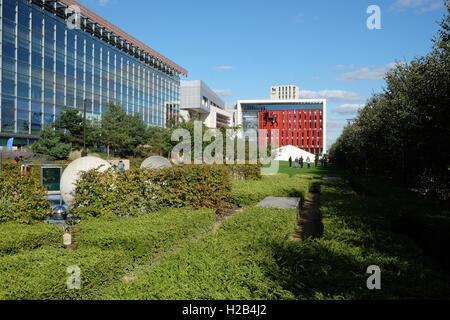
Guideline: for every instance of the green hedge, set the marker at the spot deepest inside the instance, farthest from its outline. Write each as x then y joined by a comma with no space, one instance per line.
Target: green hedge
233,263
18,237
246,171
141,191
280,185
42,274
145,236
22,197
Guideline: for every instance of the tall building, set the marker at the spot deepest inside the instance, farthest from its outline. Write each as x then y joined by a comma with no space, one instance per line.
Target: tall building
301,123
197,99
59,53
284,93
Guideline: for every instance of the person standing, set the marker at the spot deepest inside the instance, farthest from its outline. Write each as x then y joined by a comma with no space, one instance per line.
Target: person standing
301,162
121,166
316,160
296,163
290,162
308,161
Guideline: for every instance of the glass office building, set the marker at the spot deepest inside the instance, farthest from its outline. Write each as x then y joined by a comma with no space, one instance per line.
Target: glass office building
46,64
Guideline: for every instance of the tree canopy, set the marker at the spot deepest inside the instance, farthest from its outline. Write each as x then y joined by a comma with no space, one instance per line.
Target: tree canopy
404,131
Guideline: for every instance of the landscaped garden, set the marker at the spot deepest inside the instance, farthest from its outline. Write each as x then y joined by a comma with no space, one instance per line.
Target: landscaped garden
188,253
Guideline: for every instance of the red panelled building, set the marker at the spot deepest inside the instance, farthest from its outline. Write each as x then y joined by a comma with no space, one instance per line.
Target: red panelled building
300,123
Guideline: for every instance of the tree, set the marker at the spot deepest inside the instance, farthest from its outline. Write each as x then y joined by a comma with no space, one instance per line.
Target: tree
404,132
50,144
113,132
158,141
136,132
70,122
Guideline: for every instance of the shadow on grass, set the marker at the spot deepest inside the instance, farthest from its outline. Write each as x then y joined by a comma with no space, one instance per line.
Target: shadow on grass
358,234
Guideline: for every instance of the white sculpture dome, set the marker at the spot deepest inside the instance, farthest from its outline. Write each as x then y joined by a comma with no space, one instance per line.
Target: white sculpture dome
73,172
156,162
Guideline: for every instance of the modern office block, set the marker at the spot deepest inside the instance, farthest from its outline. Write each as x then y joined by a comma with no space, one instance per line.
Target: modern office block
47,61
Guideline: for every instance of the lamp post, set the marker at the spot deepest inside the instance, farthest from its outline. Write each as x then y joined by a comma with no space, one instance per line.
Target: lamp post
84,153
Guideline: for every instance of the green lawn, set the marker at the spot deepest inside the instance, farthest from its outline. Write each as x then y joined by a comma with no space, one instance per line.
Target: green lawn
314,171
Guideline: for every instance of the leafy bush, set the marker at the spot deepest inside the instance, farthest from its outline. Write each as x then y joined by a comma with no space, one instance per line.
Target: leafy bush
42,274
246,171
137,191
251,192
18,237
145,236
22,197
230,264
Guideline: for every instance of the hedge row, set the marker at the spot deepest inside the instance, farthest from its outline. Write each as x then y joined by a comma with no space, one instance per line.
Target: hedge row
22,197
146,236
280,185
246,171
19,237
136,192
233,263
42,274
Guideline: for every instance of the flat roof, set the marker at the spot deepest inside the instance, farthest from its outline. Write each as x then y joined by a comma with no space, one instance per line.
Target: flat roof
122,34
275,102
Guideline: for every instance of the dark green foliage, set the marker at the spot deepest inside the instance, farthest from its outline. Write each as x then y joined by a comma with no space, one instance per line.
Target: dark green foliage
137,191
22,197
146,236
20,237
404,132
427,221
51,145
70,124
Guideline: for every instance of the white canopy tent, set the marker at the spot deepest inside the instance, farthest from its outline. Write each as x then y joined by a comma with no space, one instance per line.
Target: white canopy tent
290,151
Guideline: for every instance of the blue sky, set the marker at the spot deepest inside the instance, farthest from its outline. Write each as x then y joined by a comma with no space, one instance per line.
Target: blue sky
241,48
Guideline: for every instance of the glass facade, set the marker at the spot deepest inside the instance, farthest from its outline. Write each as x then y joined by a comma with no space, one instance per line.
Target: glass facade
46,65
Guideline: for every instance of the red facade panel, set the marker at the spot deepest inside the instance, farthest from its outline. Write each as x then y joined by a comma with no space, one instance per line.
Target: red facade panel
296,127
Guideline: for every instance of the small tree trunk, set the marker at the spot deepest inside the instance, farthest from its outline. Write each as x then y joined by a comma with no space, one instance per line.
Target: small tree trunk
107,151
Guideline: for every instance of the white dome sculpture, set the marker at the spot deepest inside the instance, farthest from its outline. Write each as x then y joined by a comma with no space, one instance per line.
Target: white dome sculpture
73,172
156,162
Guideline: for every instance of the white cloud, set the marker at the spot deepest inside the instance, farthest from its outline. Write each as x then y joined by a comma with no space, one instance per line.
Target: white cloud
223,93
335,125
348,108
225,67
420,5
344,67
332,95
366,73
103,2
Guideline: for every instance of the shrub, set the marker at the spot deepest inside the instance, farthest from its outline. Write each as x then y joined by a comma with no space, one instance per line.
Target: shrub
232,263
145,236
136,192
42,274
280,185
246,171
20,237
22,197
